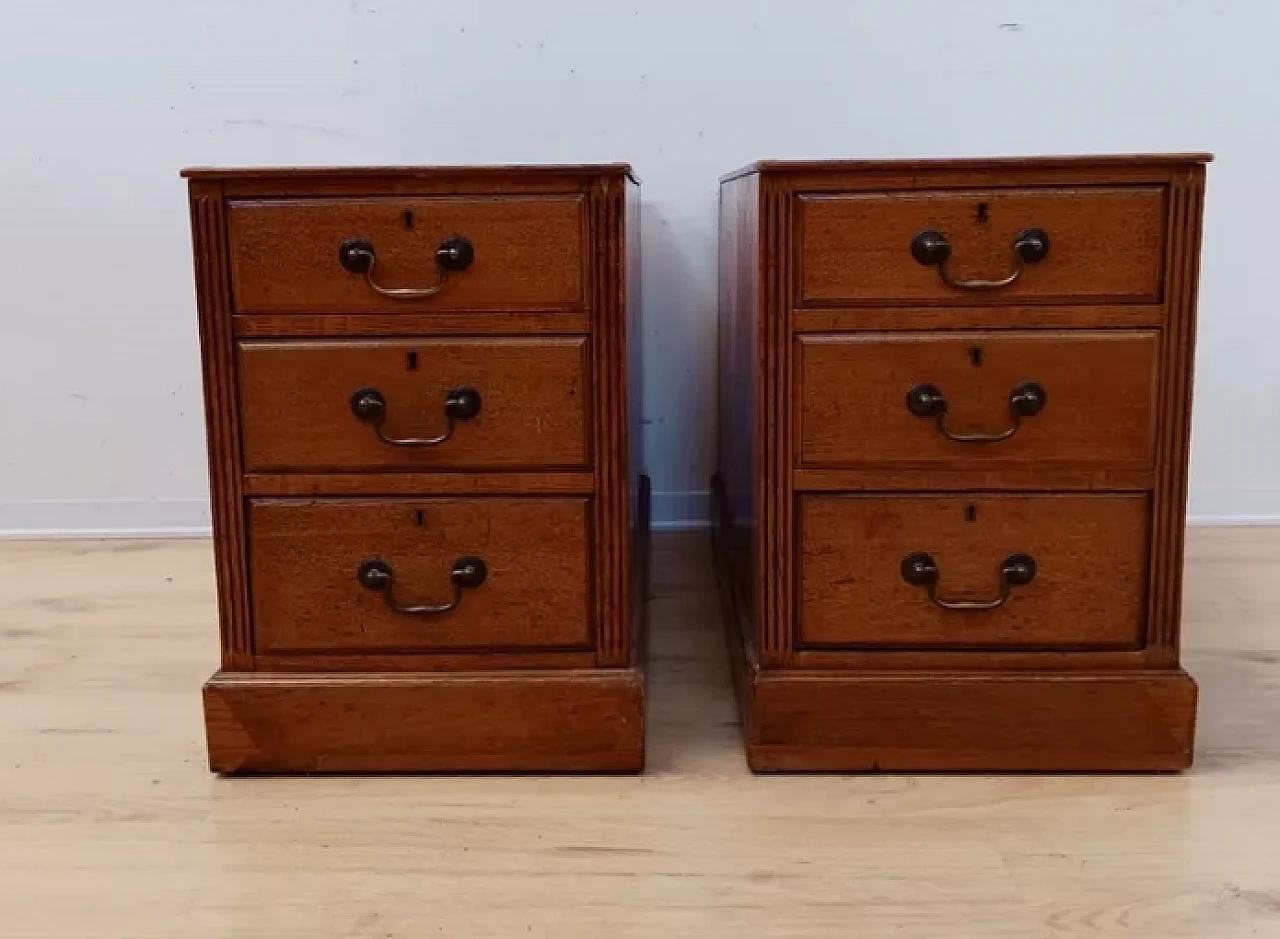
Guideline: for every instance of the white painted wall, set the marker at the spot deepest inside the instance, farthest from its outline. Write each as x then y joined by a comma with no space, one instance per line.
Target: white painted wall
100,413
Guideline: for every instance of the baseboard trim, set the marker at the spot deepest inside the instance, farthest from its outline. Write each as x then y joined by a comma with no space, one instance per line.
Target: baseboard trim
1232,521
49,519
678,525
54,519
682,511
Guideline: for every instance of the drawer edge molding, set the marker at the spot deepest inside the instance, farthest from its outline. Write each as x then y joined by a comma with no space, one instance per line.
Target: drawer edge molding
1017,477
889,318
1174,399
387,324
222,417
374,484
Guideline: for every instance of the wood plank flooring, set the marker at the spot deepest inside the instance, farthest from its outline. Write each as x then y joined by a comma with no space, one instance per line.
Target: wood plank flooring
110,825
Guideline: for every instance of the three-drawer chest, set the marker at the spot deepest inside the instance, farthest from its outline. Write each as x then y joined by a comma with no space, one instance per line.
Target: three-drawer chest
954,412
429,522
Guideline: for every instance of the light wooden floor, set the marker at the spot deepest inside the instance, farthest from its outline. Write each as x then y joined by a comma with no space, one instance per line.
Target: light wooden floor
110,826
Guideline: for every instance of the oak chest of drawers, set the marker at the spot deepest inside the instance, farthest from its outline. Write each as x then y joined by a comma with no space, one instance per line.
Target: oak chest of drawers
955,401
429,524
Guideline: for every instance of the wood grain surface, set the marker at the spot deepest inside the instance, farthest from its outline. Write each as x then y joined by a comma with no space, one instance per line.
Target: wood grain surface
304,555
529,252
543,325
738,413
1106,244
1099,389
111,827
222,417
535,403
1033,721
408,483
399,323
845,479
1089,588
585,721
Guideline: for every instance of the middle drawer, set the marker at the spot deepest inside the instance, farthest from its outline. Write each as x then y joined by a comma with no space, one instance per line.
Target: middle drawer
415,404
968,399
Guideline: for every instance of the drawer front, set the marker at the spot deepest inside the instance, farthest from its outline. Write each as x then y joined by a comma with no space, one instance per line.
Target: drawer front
949,398
1087,563
1103,245
326,573
524,251
340,405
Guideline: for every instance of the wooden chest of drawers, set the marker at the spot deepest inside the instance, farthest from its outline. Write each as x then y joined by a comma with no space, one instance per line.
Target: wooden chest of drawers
429,524
955,402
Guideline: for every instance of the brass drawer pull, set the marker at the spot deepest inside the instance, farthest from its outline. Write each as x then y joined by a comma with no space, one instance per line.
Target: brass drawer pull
1026,400
931,248
468,573
920,570
452,257
460,404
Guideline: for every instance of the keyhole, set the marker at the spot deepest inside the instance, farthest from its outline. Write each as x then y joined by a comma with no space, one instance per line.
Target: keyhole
408,219
983,216
970,513
411,360
975,354
419,518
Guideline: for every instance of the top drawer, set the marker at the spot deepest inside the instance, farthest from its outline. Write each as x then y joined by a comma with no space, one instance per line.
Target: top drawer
953,246
358,255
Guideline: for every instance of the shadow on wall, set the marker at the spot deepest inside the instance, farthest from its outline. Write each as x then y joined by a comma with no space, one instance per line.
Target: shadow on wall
679,354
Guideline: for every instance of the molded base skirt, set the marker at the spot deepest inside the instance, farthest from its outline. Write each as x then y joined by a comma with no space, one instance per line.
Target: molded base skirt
969,721
561,721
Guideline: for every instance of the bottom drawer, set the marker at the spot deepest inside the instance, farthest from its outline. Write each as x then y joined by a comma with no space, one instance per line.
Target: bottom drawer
974,571
400,575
